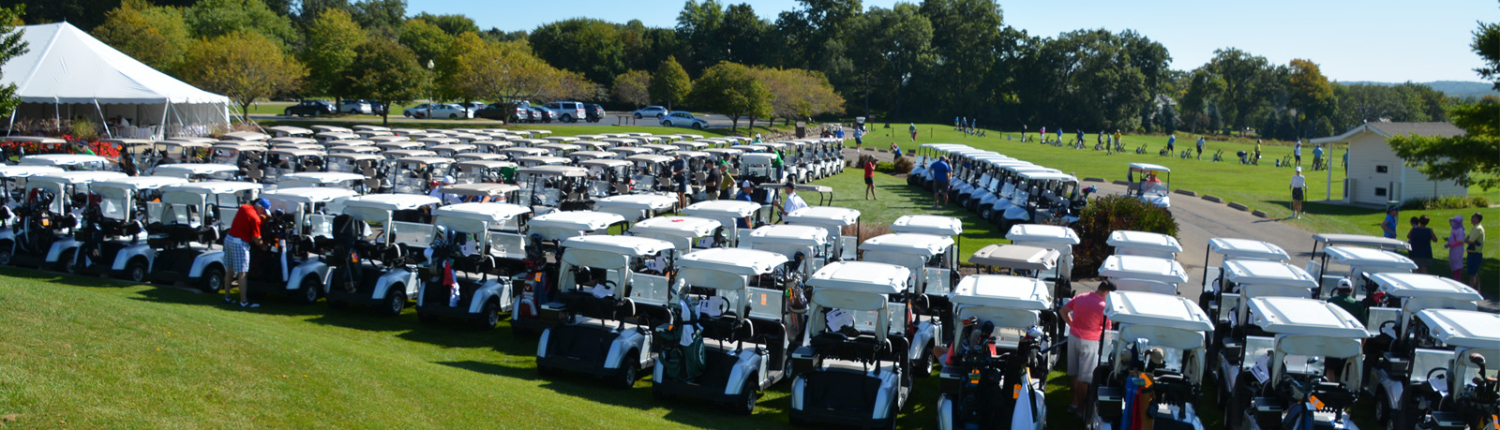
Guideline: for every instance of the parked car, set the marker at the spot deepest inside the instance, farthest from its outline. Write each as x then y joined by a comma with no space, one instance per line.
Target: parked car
357,107
450,111
541,114
474,108
652,111
594,113
567,111
310,107
495,112
522,114
683,119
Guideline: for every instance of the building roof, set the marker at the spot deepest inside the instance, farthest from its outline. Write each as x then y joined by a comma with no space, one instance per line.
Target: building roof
1388,129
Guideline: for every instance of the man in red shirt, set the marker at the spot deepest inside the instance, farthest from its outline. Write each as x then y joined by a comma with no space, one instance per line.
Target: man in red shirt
869,166
1086,323
244,231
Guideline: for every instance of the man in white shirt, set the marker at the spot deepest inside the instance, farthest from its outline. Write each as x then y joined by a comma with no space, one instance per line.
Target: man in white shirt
444,197
792,201
1299,187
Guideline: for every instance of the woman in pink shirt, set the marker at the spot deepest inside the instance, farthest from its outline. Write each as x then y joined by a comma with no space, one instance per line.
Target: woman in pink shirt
1086,323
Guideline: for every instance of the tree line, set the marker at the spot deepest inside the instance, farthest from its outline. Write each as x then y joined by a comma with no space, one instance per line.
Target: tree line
927,61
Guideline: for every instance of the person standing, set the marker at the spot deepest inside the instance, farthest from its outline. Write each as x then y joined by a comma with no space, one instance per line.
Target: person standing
1084,316
1475,242
1023,133
747,194
244,231
679,168
793,201
1388,226
1297,153
1044,134
711,185
940,171
1421,238
913,129
1455,245
1257,152
1117,139
859,139
869,166
1318,157
1299,186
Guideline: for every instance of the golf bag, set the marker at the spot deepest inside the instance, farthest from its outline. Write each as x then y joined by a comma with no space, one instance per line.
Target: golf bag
344,261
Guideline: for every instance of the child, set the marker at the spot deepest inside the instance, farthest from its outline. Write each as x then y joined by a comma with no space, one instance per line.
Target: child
1456,247
1421,239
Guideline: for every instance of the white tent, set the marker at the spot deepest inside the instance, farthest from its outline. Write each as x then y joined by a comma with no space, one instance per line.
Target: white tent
67,73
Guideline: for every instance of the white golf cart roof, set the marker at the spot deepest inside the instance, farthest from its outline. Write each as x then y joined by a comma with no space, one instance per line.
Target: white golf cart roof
400,144
74,178
62,159
1042,233
686,226
246,135
330,128
323,178
465,164
494,213
384,139
1002,291
925,245
738,261
19,171
552,170
472,156
480,189
1416,285
624,245
191,169
1148,167
391,202
1463,328
128,143
1016,257
33,139
291,130
1135,307
576,220
596,155
826,215
137,183
292,141
544,160
861,277
212,187
560,146
455,147
794,234
636,202
1047,175
724,151
562,139
296,152
928,224
355,154
1247,248
1336,239
424,160
722,208
1289,315
1367,258
650,158
309,194
1262,272
1141,267
1144,240
604,162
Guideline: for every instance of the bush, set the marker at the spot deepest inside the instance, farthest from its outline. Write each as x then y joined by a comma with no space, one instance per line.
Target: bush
902,165
1446,202
1107,214
884,167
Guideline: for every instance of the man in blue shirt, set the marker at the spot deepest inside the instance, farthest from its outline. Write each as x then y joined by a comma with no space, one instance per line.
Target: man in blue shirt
746,189
940,171
1318,157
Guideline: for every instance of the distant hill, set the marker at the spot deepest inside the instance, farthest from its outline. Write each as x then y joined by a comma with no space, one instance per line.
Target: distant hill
1461,89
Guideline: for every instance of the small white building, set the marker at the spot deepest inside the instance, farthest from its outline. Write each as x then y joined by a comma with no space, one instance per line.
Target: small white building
1376,175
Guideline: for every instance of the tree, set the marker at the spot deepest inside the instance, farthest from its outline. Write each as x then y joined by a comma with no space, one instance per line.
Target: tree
243,65
741,35
213,18
897,49
457,67
11,46
588,46
670,84
731,89
424,39
453,24
698,28
633,87
154,35
374,14
1308,90
1168,118
1249,84
331,42
310,10
1322,127
386,72
1487,45
797,93
1468,159
1204,87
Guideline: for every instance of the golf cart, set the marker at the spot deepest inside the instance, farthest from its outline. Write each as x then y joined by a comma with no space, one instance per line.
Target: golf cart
1058,238
636,207
1146,244
1356,264
1147,186
113,239
1240,281
1448,382
549,188
731,332
1032,263
1152,374
472,241
610,290
933,264
805,246
1326,240
193,219
197,172
415,174
994,373
539,273
1047,197
452,150
936,225
853,367
49,218
72,162
836,221
1148,274
392,229
757,167
483,171
608,177
1231,249
731,213
1402,355
1299,368
296,232
687,233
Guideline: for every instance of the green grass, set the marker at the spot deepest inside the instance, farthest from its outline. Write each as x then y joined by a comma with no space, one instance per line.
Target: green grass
1262,187
897,199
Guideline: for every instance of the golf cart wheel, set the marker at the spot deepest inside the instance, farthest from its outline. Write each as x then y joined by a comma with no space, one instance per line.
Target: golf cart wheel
491,316
5,254
922,367
65,264
136,271
212,280
395,302
625,377
1382,407
307,291
745,403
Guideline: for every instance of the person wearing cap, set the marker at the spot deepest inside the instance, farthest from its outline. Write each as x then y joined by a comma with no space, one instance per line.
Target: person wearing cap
793,201
437,191
711,185
747,193
679,168
940,170
1388,226
1086,324
244,231
726,182
1298,186
1343,297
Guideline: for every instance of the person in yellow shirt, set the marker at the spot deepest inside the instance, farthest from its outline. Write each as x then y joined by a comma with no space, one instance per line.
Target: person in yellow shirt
1117,139
1257,152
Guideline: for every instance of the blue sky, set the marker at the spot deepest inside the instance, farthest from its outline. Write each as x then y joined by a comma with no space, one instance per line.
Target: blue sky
1372,40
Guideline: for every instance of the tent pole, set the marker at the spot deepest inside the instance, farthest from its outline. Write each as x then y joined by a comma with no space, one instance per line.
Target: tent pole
163,123
11,129
102,119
